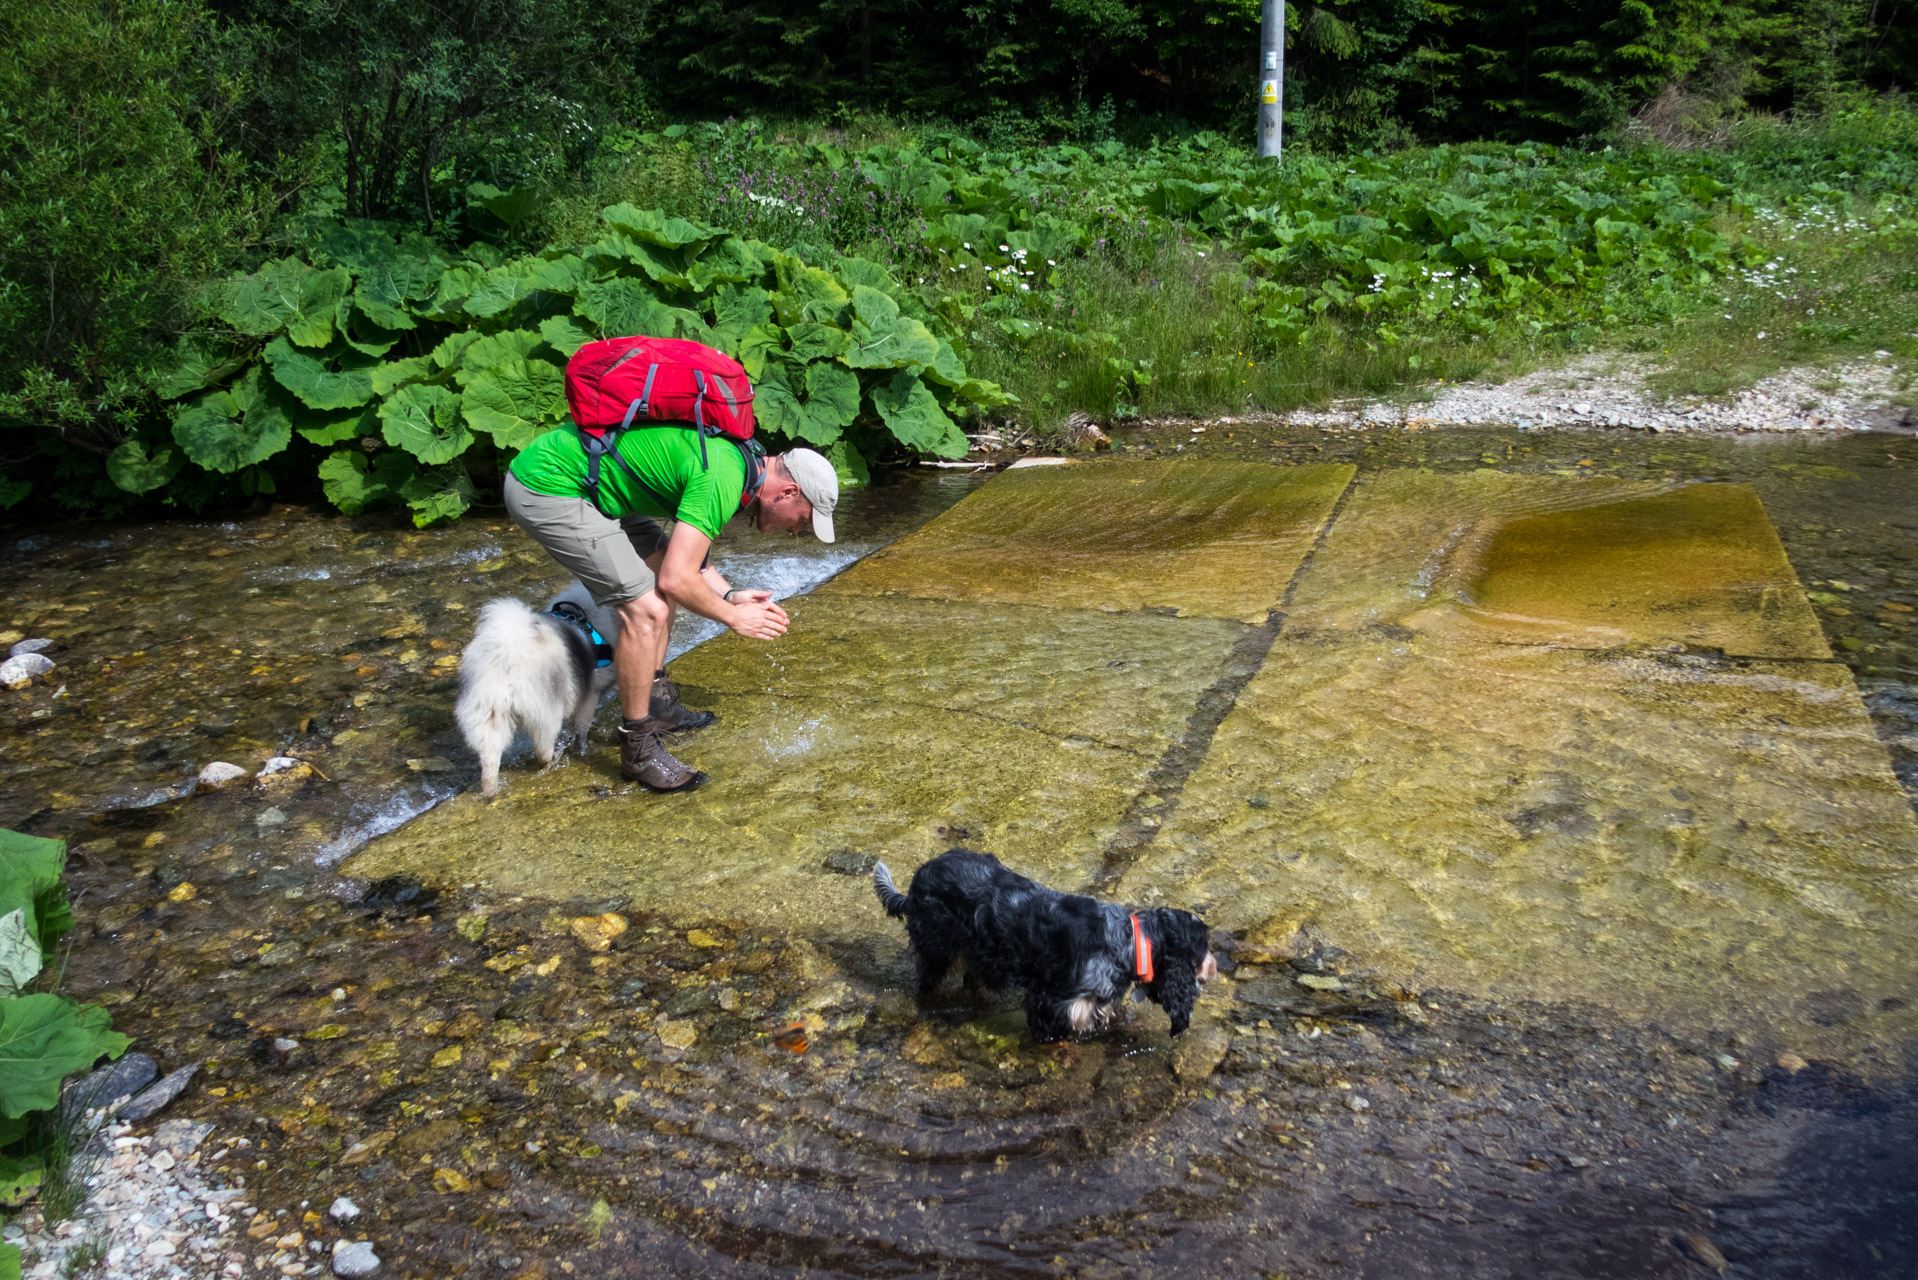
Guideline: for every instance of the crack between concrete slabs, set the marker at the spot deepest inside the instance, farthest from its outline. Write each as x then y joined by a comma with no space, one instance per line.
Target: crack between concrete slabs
1160,800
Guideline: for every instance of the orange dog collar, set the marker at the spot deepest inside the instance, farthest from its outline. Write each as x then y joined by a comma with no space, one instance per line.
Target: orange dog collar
1141,953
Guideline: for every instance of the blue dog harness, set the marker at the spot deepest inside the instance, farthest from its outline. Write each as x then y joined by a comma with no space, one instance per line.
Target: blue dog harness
567,611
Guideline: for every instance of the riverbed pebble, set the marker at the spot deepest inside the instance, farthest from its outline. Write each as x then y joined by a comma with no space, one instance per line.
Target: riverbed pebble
153,1213
343,1210
219,774
355,1259
36,645
21,670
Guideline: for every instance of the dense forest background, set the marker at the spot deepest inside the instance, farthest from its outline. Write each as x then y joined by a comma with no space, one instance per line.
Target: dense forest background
149,146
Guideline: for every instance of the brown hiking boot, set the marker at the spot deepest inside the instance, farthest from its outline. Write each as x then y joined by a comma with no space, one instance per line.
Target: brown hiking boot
666,711
643,758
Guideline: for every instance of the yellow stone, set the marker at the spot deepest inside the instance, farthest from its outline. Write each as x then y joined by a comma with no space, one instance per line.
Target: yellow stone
700,938
182,892
596,933
447,1057
450,1182
677,1034
545,967
328,1031
1221,539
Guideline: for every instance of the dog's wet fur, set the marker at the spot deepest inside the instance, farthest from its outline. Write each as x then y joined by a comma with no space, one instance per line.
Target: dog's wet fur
1071,954
530,671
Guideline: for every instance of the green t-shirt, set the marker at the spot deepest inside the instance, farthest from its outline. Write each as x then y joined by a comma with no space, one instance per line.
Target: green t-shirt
666,458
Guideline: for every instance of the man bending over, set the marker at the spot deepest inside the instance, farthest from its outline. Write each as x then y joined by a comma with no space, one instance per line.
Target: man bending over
644,551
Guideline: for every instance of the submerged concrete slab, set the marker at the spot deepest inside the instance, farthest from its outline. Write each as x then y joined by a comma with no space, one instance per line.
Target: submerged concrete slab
1719,842
1584,563
1219,539
1127,680
890,728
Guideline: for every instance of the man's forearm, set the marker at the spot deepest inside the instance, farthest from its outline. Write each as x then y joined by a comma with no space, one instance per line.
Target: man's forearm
696,595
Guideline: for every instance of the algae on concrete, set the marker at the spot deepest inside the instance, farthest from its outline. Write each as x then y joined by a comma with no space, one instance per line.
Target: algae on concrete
1580,562
1718,839
1218,539
1127,680
889,728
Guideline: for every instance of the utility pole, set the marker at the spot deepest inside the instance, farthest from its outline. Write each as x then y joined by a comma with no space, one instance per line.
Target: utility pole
1272,79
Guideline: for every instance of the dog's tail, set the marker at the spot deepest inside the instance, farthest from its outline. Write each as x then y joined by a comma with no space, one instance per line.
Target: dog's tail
889,896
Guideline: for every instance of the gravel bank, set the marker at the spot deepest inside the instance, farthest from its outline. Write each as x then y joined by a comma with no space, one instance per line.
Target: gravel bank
1610,391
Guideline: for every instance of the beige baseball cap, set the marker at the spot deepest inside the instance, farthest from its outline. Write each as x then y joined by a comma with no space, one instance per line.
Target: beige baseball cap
819,482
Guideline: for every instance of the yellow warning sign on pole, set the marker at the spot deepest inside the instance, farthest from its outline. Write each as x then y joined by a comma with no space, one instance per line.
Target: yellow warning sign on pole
1271,93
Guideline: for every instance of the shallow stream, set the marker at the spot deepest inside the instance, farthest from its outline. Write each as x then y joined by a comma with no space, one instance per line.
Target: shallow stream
1572,870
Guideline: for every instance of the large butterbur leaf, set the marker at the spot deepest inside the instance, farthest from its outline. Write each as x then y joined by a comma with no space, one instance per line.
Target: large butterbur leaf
912,413
500,290
849,463
340,383
649,226
353,482
138,467
425,420
814,341
287,295
821,417
239,427
387,289
832,402
625,308
43,1040
566,334
197,365
335,426
883,338
515,402
497,349
438,495
30,868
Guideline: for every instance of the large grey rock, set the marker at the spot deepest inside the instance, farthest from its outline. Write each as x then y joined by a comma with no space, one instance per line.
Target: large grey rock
30,646
161,1092
115,1082
355,1259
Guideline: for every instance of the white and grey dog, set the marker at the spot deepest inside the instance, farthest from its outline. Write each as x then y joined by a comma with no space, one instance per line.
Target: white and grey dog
534,671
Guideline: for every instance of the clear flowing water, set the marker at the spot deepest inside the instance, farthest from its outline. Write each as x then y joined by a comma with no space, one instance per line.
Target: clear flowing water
1572,871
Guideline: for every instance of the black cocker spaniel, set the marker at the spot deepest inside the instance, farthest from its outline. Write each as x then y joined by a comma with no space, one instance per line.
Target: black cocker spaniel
1074,956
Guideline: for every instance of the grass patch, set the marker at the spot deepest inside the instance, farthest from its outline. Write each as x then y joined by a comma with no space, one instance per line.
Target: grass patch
1832,283
1160,331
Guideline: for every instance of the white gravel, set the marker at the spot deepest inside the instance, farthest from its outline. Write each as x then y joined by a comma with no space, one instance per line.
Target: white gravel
160,1209
1609,391
154,1214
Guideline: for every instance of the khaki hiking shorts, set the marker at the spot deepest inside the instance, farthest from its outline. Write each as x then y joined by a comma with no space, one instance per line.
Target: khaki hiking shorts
608,555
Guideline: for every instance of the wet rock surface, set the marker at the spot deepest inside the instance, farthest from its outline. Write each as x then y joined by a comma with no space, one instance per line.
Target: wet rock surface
819,1117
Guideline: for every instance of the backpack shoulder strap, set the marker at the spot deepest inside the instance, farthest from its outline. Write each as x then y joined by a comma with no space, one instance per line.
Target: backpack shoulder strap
753,454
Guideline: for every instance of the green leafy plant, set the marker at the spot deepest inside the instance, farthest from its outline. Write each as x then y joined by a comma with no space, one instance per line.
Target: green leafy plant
44,1037
403,360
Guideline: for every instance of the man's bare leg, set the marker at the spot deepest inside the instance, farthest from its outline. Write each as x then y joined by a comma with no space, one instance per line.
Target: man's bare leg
644,625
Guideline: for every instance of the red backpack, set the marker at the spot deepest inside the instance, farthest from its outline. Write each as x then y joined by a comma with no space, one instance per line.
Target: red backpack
618,383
